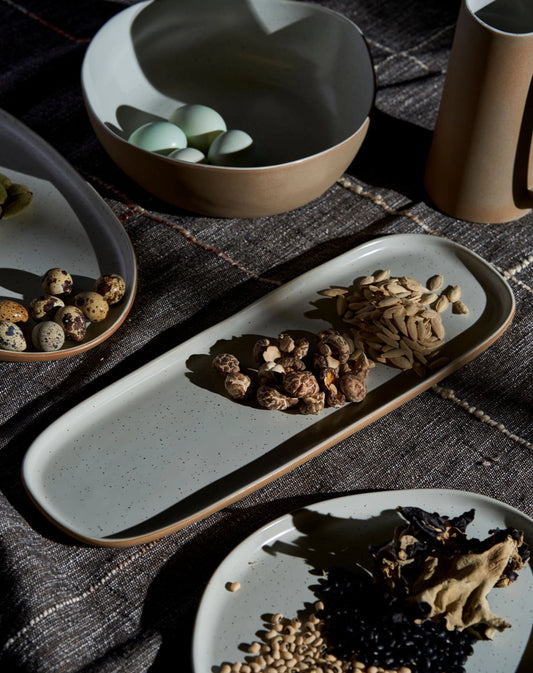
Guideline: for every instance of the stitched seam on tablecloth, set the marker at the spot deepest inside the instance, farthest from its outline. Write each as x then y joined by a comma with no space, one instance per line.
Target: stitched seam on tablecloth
46,23
510,274
405,53
189,236
380,201
76,599
449,394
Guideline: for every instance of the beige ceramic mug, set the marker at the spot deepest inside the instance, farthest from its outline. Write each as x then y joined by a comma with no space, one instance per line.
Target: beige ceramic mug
480,162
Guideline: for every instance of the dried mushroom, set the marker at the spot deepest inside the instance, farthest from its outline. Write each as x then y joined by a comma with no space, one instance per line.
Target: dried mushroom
335,345
301,348
259,348
272,398
353,386
237,385
312,405
270,373
329,382
226,363
442,575
300,384
285,343
291,363
288,375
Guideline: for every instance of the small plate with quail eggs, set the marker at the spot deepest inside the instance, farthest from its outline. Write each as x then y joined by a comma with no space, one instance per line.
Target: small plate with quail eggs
68,273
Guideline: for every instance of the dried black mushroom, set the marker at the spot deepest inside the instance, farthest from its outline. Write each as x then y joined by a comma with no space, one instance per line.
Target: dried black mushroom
432,565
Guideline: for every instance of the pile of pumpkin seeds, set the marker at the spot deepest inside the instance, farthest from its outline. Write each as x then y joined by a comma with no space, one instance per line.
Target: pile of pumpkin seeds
397,321
14,197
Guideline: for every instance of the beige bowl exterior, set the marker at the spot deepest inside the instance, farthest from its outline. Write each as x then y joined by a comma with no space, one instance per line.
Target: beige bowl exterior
228,192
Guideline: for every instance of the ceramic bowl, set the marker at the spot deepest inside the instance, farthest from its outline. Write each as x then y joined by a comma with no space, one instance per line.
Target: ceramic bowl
297,78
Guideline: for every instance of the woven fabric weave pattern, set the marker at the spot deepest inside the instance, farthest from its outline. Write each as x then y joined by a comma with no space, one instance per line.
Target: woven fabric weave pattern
70,608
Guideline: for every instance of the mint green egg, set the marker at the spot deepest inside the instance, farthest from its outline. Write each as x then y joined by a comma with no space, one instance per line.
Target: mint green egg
200,123
189,154
232,148
160,136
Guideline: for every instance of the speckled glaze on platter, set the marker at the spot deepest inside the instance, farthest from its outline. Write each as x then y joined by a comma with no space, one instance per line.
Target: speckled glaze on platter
165,446
275,565
68,225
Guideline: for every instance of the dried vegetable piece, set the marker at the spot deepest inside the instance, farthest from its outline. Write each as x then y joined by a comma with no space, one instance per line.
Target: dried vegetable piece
14,198
437,570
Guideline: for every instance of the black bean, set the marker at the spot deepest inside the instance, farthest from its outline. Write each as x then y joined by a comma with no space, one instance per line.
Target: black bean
364,621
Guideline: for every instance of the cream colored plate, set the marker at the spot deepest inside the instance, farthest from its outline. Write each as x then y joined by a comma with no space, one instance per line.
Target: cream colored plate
68,225
164,446
275,569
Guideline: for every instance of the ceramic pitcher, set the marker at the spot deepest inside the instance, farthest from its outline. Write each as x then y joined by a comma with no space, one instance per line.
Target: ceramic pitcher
479,167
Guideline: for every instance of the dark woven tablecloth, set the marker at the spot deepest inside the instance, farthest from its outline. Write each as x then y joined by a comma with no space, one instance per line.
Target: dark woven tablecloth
72,608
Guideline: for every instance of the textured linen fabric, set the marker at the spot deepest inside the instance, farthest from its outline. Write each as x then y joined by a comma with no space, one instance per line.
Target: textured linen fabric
66,607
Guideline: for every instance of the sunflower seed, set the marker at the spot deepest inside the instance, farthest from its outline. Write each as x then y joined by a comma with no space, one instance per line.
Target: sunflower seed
388,301
435,282
460,308
402,363
399,321
428,298
453,293
442,303
384,274
341,304
334,292
437,327
412,328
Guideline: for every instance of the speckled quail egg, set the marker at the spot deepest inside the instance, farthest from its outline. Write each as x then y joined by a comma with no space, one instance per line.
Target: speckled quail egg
111,286
200,123
232,148
13,311
189,154
11,337
48,336
57,281
44,307
160,136
94,306
72,321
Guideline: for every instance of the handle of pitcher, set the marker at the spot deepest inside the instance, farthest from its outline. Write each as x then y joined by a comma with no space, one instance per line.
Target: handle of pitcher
523,170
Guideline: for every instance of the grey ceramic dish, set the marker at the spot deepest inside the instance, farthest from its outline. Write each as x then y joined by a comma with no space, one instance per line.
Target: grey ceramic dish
68,225
165,446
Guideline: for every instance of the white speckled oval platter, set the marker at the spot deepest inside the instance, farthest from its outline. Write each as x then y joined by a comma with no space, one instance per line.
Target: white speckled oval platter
165,446
68,225
278,568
